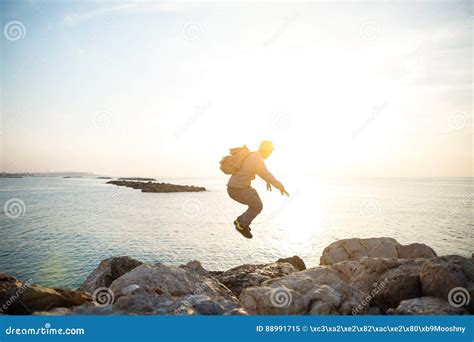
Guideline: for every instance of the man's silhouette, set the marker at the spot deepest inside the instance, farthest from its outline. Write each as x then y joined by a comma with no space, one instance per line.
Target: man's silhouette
239,188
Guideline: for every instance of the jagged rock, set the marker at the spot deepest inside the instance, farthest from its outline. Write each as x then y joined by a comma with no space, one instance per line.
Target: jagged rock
84,309
414,251
296,261
145,304
441,275
273,300
170,280
398,284
384,282
426,306
354,249
8,284
160,289
361,276
196,267
364,274
107,271
28,299
315,291
205,305
241,277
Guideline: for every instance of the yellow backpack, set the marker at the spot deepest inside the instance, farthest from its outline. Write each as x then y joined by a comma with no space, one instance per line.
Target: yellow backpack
233,162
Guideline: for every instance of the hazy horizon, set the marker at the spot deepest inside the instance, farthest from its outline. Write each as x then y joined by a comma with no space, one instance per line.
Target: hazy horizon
164,89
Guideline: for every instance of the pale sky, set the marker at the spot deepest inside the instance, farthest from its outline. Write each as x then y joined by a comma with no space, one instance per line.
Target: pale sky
151,88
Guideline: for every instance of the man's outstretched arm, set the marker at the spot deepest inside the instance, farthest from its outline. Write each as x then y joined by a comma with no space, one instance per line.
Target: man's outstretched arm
267,176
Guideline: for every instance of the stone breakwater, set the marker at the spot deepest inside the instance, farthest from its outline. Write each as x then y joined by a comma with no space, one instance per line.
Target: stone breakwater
157,187
376,276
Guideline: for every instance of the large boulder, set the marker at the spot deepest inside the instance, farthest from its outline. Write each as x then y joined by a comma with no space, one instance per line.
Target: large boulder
170,280
196,267
449,277
385,282
355,249
414,251
426,306
241,277
398,284
107,271
296,261
364,273
160,289
8,284
316,291
28,299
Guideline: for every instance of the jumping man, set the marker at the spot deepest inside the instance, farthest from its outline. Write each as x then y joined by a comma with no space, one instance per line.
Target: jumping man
240,190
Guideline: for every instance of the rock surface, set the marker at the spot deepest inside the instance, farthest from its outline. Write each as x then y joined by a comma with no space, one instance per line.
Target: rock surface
356,277
354,249
427,306
441,275
296,261
317,290
107,271
241,277
19,298
179,289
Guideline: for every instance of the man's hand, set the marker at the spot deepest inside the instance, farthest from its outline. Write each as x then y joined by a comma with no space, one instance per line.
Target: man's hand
284,192
269,187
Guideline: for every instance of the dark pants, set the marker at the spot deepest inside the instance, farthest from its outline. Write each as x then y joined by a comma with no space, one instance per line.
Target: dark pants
247,196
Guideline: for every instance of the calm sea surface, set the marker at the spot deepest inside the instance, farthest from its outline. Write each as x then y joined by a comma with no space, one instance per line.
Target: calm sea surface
55,231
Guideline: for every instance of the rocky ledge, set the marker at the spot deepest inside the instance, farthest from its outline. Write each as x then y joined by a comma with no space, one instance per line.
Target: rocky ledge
355,277
157,187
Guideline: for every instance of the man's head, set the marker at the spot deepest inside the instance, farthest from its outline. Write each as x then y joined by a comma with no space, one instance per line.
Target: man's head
266,148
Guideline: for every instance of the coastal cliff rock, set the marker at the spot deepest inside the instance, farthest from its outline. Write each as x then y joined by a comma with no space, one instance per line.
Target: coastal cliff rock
19,298
177,288
296,261
356,277
354,249
107,271
316,291
386,282
170,280
441,275
241,277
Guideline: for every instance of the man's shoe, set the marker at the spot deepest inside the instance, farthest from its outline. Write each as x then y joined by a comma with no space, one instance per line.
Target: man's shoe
245,231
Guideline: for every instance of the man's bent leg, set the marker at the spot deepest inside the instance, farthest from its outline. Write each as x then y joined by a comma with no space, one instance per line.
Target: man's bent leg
250,197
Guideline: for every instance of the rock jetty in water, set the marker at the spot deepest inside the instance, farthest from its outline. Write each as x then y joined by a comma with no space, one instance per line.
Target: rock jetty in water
376,276
157,187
